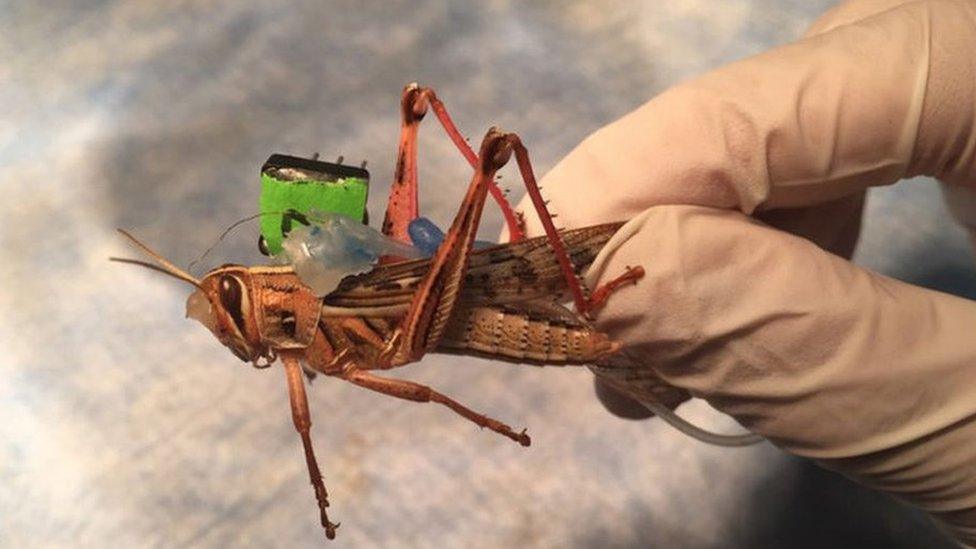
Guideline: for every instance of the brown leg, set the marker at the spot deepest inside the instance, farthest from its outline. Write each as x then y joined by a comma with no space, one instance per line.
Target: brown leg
402,207
416,392
303,423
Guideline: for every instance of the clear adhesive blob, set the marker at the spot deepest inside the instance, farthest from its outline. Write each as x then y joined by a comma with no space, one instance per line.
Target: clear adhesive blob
335,246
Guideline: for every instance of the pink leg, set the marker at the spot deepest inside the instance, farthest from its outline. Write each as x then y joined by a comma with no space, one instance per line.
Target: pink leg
585,304
576,288
402,207
516,229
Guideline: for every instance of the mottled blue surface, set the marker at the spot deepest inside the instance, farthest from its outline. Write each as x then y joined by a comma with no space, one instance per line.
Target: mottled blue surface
123,425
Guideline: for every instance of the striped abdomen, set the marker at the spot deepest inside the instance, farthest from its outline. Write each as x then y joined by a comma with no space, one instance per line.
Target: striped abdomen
525,336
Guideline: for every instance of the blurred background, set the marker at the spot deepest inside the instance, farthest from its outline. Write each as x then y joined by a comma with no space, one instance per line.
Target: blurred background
123,425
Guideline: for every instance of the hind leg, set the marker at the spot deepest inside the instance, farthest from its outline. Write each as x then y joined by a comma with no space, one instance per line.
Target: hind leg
402,207
586,303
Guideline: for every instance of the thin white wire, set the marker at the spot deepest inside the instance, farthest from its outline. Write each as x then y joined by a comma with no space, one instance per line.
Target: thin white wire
696,432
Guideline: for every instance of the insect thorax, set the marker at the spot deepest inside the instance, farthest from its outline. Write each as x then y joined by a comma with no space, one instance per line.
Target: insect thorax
287,311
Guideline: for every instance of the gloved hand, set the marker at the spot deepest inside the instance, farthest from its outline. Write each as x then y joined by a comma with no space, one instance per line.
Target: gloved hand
872,377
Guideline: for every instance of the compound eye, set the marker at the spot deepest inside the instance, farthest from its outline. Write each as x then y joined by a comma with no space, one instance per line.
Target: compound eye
232,299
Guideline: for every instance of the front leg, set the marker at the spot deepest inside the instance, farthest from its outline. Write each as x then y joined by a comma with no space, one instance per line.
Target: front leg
303,423
416,392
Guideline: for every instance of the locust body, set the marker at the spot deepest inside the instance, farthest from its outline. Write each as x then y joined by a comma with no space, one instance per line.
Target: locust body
501,302
507,309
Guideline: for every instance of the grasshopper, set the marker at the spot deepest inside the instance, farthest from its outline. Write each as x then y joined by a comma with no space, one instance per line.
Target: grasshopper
499,302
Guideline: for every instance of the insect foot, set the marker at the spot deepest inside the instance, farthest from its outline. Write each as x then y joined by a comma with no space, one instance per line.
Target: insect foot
599,296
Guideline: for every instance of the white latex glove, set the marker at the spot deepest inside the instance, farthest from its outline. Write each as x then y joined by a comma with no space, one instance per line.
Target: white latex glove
872,377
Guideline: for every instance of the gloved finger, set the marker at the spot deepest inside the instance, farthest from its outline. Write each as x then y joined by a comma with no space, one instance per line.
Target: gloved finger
860,104
838,238
871,376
